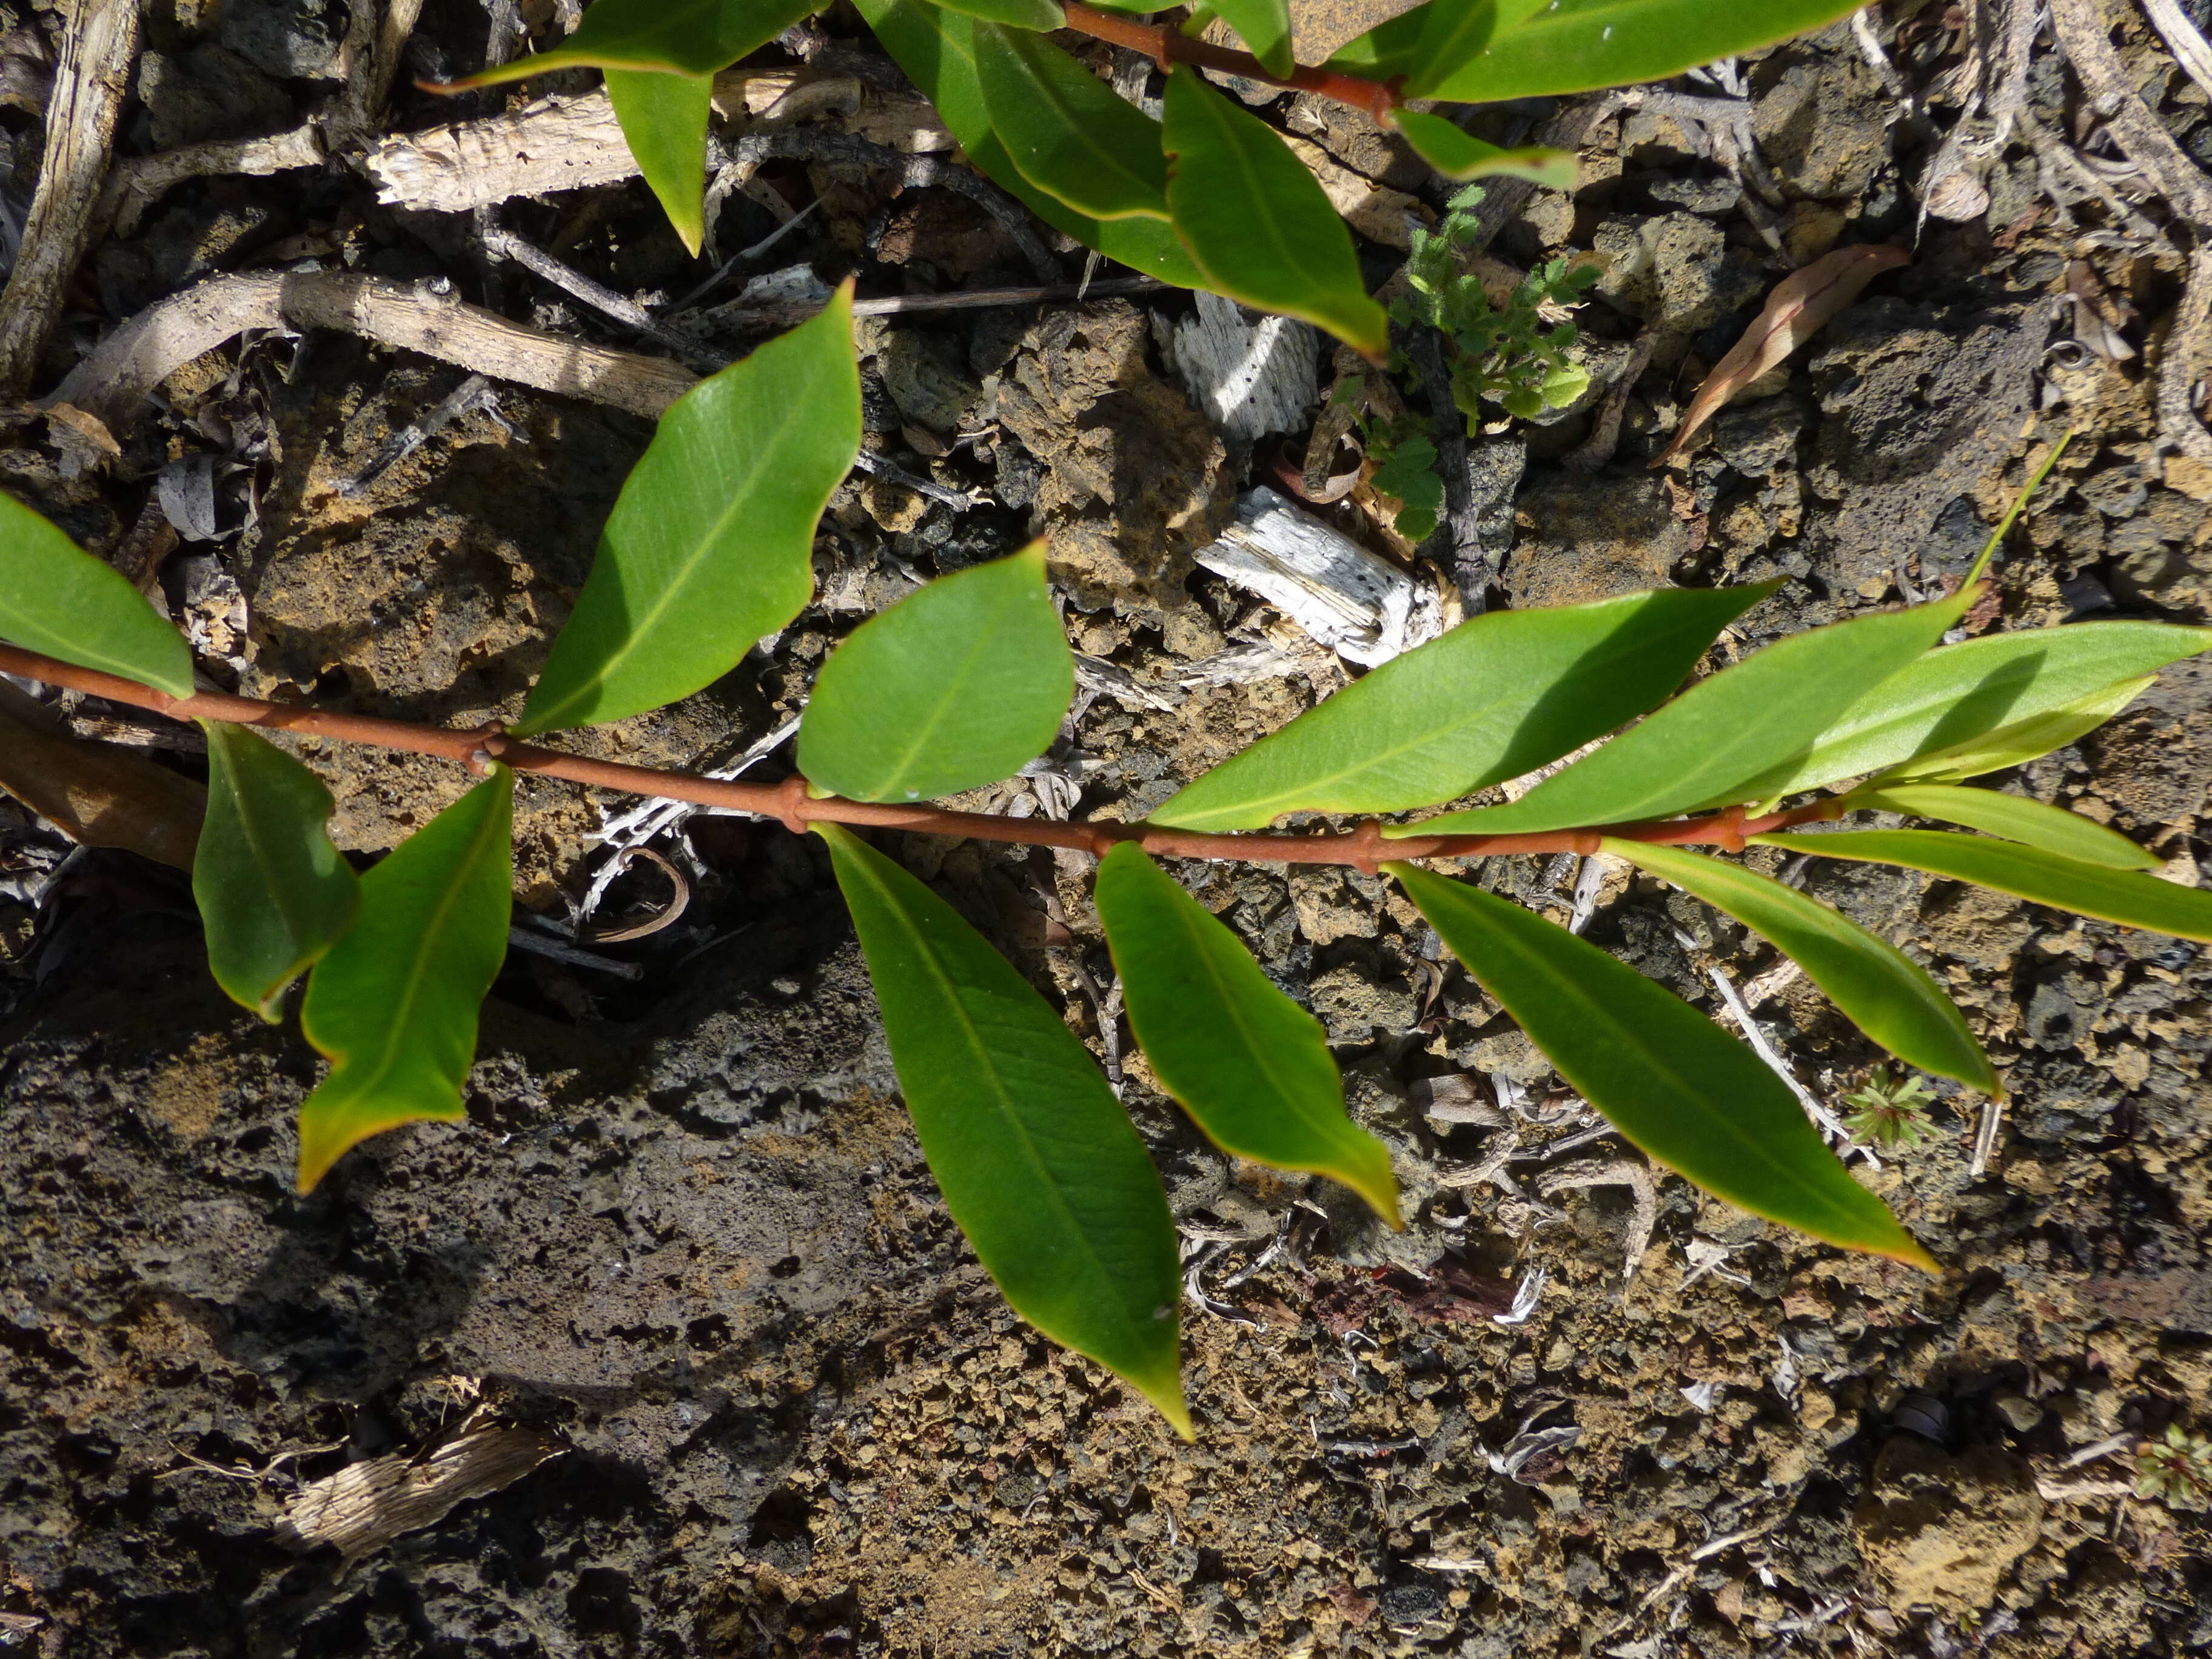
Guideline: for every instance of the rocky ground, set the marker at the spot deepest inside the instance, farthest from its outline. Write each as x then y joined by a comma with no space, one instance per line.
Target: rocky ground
686,1232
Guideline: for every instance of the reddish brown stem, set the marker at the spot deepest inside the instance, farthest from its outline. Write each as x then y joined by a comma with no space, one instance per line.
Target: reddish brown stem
1365,847
1166,46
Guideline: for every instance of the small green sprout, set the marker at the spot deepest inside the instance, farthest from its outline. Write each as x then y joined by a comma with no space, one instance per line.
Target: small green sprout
1890,1111
2175,1471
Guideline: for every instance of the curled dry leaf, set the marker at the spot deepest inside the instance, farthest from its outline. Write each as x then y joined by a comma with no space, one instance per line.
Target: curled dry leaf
1800,304
96,793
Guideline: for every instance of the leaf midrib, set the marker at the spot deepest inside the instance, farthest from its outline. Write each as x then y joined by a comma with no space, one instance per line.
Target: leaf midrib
1076,137
901,769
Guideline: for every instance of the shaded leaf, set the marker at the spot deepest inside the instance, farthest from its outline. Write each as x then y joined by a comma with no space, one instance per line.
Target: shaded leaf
1071,135
1800,304
2021,741
691,37
1880,989
1706,746
273,892
99,794
1665,1076
1264,26
393,1006
55,598
1495,697
711,544
1035,1158
961,683
2051,827
2028,873
1458,154
1257,222
1962,692
1251,1067
936,48
664,122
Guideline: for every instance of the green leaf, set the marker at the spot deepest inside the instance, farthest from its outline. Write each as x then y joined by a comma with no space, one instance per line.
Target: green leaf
1035,1158
1665,1076
1014,14
1967,691
2028,873
1707,745
1251,1067
2021,741
711,544
1071,135
1458,154
59,600
1256,220
1494,698
936,48
2051,827
393,1006
961,683
1880,989
1264,26
273,892
664,122
691,37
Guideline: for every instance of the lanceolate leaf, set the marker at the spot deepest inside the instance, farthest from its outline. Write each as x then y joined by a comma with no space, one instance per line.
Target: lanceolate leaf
1665,1076
1264,26
664,122
2053,828
936,48
1965,691
1495,697
55,598
393,1006
961,683
710,545
1257,222
1708,744
2028,873
1071,134
1014,14
1035,1157
1458,154
2021,741
693,37
1251,1067
1880,989
273,892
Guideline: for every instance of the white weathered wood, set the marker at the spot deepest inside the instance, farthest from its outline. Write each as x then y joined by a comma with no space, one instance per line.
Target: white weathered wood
1250,374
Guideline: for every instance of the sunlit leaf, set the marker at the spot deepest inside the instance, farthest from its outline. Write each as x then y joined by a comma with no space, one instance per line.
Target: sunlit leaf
1251,1067
936,48
393,1006
693,37
1257,222
963,682
1962,692
1880,989
1014,14
1264,26
273,892
1709,744
59,600
1495,697
1462,155
711,544
1665,1076
2028,873
1071,135
2053,828
2021,741
664,122
1037,1160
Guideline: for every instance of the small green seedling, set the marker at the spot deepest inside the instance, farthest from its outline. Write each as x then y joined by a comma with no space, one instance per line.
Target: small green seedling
2175,1471
1890,1111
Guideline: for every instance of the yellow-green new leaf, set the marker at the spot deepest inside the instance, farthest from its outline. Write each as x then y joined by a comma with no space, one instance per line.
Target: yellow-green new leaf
1251,1067
711,542
1493,698
1264,26
689,37
2035,823
1880,989
1257,222
2021,741
1665,1076
664,122
1037,1161
2028,873
273,892
55,598
961,683
1462,155
1071,135
393,1006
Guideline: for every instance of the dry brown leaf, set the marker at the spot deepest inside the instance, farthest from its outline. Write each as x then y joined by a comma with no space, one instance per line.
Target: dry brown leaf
96,793
364,1504
1801,302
